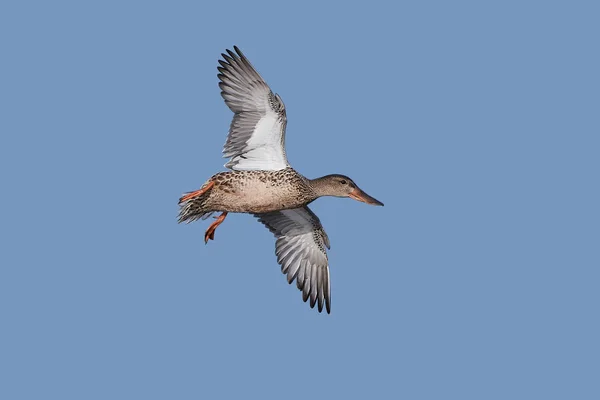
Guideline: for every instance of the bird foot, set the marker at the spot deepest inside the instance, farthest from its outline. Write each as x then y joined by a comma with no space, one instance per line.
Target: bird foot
210,232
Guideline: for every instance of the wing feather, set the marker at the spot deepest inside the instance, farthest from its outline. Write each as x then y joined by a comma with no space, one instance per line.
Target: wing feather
256,139
300,249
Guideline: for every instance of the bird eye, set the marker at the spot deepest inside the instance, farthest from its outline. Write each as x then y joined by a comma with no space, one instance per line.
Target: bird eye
343,182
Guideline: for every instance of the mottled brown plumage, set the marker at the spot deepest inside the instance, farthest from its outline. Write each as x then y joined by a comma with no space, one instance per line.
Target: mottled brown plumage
251,192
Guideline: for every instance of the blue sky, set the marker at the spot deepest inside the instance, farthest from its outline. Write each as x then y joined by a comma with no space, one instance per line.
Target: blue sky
475,123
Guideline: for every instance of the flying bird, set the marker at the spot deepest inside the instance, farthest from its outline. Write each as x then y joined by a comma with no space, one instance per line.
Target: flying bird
262,182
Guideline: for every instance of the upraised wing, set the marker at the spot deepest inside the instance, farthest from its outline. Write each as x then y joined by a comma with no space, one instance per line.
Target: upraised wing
256,139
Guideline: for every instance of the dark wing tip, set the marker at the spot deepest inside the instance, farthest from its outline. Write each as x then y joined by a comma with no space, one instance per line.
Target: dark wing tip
327,305
305,296
227,58
232,54
222,85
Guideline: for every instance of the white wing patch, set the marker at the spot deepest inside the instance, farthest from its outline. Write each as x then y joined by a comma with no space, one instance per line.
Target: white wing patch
260,153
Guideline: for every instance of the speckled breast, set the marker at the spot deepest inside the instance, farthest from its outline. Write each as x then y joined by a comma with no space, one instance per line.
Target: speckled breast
260,191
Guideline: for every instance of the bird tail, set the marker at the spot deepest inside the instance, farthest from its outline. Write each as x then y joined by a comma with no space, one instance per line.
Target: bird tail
193,205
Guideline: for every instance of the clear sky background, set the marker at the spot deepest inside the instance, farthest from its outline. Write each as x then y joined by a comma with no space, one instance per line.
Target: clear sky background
477,125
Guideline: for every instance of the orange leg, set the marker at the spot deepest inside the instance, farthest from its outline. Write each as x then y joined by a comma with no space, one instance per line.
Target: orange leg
197,192
210,232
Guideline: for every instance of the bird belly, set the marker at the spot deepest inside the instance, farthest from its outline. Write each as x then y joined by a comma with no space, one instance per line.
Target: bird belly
255,196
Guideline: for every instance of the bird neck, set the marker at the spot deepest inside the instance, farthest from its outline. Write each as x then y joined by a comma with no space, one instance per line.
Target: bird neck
321,186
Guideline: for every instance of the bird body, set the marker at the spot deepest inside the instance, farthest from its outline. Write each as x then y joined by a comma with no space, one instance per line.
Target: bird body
254,192
261,182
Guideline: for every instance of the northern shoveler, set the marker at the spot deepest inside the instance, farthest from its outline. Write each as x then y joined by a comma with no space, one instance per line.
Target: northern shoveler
262,182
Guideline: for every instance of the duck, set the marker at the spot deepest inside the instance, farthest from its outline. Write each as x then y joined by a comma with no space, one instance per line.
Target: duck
260,181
